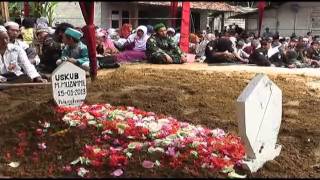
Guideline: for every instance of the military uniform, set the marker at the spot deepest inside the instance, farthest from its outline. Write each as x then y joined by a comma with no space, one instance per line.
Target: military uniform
157,48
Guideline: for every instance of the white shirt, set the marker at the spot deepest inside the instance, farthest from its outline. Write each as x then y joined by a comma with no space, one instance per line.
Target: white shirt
21,44
25,46
17,56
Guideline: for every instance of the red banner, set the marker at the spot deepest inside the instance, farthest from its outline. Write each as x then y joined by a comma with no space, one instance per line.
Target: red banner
174,12
261,6
185,27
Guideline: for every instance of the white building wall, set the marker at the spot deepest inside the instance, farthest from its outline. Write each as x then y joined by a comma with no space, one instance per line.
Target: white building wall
283,19
108,7
70,12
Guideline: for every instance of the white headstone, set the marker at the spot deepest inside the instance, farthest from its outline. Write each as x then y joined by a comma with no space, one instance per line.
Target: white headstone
259,111
69,85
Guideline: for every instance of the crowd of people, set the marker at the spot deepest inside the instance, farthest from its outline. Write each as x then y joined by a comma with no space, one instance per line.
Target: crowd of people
32,48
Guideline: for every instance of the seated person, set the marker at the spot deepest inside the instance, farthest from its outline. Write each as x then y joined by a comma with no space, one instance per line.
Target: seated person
313,51
260,55
162,50
14,32
239,50
27,30
49,50
15,62
194,41
105,45
171,33
200,51
221,50
253,46
297,59
138,40
74,51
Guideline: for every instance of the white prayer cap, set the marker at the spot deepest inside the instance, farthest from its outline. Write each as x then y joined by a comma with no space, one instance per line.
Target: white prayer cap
11,23
171,30
3,29
305,39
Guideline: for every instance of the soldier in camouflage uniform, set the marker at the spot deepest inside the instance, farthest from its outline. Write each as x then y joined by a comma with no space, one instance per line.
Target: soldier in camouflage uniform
162,50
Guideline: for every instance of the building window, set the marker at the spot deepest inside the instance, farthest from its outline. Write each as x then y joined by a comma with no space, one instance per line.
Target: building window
143,14
125,17
115,19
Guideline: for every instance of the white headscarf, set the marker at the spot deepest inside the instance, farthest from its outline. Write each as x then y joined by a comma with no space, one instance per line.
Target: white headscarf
140,43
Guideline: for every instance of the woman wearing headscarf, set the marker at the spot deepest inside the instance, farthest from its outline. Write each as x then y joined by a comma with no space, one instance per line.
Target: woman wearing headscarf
139,39
125,30
105,45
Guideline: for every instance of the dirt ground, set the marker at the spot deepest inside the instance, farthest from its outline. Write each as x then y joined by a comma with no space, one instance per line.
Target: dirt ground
197,96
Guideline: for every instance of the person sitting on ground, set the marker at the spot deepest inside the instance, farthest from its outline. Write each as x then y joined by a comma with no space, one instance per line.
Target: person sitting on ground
255,44
171,32
201,49
27,30
313,53
260,55
105,45
150,30
162,50
74,51
194,41
14,32
297,58
221,50
139,40
58,34
15,62
239,50
49,50
125,30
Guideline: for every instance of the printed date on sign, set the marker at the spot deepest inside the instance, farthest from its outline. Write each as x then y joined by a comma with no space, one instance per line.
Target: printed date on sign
72,92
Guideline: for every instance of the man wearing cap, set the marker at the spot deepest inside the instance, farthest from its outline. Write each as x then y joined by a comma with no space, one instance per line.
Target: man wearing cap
74,51
13,31
162,50
13,60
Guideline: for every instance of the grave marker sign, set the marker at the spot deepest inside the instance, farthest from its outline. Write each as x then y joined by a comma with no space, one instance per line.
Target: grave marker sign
259,111
69,85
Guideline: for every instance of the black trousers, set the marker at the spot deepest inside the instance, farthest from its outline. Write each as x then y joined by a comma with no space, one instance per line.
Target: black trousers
13,78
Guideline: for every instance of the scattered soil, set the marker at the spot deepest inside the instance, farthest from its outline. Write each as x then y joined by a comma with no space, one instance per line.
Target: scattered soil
199,97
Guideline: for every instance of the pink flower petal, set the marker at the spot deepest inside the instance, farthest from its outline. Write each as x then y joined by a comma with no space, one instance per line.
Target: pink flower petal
117,172
148,164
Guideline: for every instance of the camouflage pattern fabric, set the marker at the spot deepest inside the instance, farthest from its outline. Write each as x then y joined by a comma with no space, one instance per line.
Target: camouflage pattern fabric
157,48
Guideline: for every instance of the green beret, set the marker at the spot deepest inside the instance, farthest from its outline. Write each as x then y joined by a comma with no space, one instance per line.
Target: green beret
73,33
158,26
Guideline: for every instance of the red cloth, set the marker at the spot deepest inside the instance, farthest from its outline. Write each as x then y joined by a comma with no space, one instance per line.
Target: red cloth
261,6
26,9
185,27
87,9
125,30
174,12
